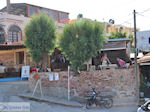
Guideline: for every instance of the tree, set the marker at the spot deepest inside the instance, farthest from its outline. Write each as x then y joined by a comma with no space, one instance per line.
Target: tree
80,41
117,35
132,39
40,38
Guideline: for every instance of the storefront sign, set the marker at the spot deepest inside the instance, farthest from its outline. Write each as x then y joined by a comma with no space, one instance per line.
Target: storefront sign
2,69
25,71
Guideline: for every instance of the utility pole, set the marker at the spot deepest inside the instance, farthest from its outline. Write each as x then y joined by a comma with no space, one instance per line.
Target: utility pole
8,6
135,57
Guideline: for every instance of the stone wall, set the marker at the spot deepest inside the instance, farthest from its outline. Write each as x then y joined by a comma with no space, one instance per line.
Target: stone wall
120,82
7,59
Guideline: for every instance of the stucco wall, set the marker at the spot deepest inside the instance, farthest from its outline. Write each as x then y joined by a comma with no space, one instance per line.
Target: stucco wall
7,20
7,59
143,40
120,82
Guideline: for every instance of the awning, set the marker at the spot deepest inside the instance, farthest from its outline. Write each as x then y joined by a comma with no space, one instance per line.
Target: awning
144,59
11,46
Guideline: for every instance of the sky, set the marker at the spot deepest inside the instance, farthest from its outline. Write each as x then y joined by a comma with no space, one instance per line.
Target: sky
121,11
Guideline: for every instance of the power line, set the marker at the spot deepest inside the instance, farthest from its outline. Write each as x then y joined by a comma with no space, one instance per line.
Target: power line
143,15
145,11
128,21
140,13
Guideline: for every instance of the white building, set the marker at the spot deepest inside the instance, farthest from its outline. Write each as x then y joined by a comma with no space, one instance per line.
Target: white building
143,40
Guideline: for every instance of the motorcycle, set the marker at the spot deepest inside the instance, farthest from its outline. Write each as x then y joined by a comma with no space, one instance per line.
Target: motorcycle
145,107
99,100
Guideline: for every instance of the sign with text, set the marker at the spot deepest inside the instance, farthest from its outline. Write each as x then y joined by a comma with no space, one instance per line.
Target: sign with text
14,107
51,77
25,71
56,76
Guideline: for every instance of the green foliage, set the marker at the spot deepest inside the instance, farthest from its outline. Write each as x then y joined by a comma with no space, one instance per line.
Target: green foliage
40,35
132,39
142,81
81,40
117,35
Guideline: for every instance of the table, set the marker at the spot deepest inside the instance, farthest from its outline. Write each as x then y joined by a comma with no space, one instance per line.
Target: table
110,66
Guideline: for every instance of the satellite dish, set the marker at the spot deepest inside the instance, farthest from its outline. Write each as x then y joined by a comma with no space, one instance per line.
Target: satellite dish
111,21
80,16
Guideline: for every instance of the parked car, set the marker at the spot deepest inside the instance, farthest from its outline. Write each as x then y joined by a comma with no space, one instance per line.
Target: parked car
145,107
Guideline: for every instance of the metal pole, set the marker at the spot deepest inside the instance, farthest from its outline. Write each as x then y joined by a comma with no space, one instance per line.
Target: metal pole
68,83
41,89
8,6
135,59
35,87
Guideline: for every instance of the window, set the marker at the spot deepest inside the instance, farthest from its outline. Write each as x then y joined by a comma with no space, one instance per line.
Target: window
19,57
116,29
50,13
64,18
108,29
32,11
2,35
121,29
14,34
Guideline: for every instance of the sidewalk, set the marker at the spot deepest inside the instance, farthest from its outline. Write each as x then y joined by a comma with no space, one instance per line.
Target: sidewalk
53,100
20,88
65,102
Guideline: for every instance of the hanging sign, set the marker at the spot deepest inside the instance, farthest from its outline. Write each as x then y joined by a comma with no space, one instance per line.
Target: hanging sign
51,77
56,76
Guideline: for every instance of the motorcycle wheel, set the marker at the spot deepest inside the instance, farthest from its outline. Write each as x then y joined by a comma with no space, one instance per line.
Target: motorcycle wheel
108,103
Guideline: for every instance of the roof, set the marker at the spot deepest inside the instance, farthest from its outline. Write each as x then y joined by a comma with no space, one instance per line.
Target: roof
25,4
116,40
115,44
145,58
11,46
143,31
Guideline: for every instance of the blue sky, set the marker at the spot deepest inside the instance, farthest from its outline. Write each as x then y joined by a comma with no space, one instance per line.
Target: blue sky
101,10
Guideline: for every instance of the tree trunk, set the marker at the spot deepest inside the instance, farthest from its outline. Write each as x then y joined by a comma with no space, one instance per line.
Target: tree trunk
44,63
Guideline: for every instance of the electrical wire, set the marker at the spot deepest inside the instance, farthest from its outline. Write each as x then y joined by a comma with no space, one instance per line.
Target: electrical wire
145,11
138,13
143,15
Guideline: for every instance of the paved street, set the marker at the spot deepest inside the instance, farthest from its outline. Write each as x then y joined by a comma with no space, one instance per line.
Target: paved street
9,91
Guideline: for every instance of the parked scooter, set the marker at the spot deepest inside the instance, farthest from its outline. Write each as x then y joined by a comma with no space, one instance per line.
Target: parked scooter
98,100
145,107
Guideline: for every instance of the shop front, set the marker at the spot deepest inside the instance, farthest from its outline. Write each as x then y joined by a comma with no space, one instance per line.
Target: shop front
144,65
12,58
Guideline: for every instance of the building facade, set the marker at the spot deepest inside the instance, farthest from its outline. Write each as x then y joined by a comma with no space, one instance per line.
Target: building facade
12,25
12,28
143,40
29,10
109,28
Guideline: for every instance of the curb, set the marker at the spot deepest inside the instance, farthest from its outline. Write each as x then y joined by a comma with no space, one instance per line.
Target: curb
48,101
68,105
123,105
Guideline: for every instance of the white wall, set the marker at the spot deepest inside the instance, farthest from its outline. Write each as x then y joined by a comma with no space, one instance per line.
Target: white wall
7,20
143,40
